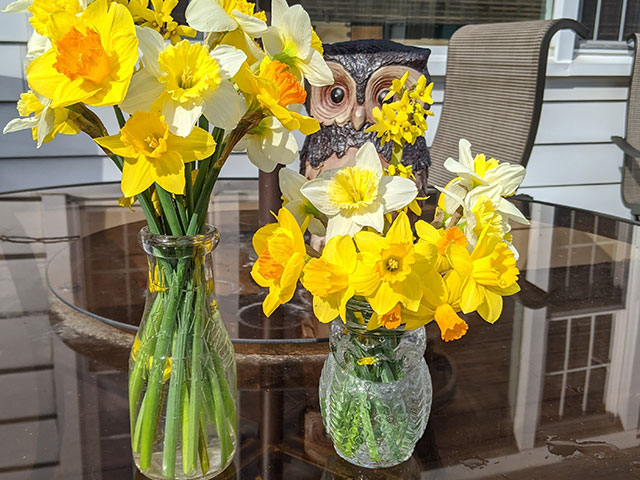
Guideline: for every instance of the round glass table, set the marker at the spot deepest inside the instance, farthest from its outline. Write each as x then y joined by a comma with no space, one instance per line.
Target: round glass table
551,390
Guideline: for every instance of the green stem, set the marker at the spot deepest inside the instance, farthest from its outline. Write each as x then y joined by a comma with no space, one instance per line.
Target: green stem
174,403
188,189
190,457
182,211
169,211
155,384
119,116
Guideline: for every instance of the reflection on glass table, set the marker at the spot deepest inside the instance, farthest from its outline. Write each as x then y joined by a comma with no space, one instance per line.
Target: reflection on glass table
552,390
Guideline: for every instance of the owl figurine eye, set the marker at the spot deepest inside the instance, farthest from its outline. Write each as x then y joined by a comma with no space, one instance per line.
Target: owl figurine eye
381,96
337,95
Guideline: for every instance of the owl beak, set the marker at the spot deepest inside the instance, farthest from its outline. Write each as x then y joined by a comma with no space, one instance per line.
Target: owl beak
358,117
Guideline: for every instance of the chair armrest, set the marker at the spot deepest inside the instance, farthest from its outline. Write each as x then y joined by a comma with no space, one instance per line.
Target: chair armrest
626,147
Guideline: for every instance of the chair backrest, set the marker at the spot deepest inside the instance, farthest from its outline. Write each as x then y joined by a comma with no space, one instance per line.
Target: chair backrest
493,91
631,169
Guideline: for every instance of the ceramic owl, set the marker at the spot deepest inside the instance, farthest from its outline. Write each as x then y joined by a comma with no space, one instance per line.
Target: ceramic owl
363,71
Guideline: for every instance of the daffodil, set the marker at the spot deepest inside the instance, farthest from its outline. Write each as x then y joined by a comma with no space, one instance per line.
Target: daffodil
277,90
269,144
406,171
45,123
281,257
327,278
440,302
292,40
389,268
92,58
476,171
438,240
302,209
153,154
489,273
184,81
226,16
359,196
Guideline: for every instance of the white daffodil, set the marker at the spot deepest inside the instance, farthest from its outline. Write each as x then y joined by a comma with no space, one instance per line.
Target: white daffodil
477,171
184,81
484,206
226,16
269,144
292,40
290,185
45,123
356,197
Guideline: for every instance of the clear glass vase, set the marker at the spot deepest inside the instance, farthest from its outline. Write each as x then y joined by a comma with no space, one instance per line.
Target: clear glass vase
182,369
375,390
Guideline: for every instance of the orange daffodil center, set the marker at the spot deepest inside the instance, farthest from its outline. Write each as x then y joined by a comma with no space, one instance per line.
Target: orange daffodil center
82,55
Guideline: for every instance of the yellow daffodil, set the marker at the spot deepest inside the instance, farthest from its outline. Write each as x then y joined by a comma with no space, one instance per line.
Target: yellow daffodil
92,58
489,273
184,81
226,16
291,40
359,196
302,209
269,144
439,240
389,269
160,19
281,257
45,123
153,154
422,91
477,171
440,302
276,88
327,278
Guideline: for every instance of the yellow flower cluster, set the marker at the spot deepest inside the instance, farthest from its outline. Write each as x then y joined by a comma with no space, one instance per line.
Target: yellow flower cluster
404,120
245,79
408,275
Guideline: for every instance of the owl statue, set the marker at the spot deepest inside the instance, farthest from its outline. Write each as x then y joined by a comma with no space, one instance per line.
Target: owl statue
363,71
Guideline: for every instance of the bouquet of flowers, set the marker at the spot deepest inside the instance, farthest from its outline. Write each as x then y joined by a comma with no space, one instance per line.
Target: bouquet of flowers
384,277
183,106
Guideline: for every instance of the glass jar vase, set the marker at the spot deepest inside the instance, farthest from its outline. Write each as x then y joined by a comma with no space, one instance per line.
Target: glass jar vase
375,390
182,369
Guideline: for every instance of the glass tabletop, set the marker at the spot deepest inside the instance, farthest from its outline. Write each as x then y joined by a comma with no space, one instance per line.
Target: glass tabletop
551,390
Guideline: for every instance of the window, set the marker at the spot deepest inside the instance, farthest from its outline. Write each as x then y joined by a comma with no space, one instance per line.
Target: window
611,20
410,21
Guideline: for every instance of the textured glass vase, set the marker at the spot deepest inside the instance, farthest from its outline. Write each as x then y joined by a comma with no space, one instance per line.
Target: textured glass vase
375,390
182,369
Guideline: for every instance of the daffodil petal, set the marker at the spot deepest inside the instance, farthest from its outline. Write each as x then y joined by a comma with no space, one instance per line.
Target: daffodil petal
367,157
316,192
144,89
170,172
199,144
209,16
229,58
150,44
397,192
181,118
137,176
316,72
491,308
224,107
252,25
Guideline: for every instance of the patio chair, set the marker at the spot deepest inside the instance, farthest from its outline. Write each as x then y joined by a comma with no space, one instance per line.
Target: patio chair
493,91
631,145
